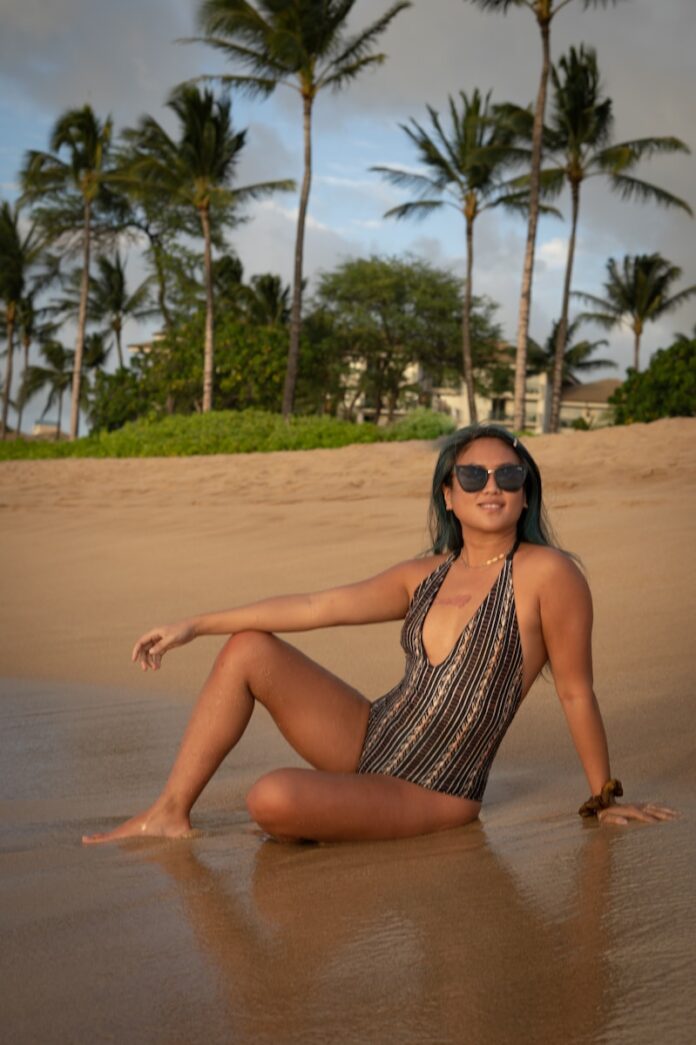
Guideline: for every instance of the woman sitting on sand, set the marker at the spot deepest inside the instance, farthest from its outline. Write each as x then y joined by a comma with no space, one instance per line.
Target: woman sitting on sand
482,616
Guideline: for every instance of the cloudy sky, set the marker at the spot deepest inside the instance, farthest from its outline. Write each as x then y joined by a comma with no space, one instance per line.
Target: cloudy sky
122,57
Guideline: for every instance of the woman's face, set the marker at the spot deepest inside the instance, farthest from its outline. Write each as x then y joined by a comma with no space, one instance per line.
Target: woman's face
491,509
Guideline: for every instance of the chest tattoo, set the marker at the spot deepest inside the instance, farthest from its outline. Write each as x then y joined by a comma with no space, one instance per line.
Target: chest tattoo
454,600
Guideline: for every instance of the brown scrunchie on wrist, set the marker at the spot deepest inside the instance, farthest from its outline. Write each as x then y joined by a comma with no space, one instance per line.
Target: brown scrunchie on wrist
603,800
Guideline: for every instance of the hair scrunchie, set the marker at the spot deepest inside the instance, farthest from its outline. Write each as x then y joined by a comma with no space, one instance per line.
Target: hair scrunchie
611,790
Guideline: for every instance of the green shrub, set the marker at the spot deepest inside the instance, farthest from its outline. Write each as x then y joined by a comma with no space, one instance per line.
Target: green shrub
228,432
420,424
666,389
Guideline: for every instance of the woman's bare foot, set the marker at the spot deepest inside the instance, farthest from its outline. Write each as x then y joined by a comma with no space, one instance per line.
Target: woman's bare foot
159,821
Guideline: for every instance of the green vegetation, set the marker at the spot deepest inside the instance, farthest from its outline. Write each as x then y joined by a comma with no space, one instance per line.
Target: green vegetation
666,389
230,432
373,337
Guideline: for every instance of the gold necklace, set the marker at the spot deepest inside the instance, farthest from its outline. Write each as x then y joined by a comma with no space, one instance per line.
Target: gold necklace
488,562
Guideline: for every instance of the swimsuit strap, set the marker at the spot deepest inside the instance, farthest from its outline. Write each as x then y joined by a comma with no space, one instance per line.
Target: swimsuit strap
508,557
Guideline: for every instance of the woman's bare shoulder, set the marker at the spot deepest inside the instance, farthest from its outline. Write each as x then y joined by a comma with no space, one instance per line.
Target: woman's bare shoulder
543,565
416,570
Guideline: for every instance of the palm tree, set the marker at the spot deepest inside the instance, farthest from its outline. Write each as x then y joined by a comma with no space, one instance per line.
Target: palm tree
56,374
70,193
269,301
465,165
32,327
19,251
299,44
108,300
196,173
578,141
639,292
544,11
576,357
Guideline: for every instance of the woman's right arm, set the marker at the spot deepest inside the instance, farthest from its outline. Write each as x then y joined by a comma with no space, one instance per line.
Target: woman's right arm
383,597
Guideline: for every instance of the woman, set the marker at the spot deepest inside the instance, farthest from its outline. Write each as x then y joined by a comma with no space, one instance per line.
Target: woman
483,615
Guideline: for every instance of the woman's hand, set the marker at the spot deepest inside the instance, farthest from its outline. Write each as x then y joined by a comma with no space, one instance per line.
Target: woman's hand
646,812
151,647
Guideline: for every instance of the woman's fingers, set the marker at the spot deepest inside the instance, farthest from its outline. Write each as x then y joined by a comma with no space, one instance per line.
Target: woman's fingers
145,642
660,812
148,649
151,647
647,813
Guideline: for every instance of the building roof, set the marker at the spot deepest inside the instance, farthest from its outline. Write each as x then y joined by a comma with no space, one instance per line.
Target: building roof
592,392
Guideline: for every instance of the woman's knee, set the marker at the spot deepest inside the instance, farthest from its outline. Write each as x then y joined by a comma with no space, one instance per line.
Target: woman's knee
247,649
272,802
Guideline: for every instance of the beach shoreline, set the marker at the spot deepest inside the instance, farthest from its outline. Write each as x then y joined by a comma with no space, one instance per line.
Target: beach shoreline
227,936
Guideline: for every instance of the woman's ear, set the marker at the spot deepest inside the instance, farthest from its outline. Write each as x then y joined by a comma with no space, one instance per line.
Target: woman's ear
447,494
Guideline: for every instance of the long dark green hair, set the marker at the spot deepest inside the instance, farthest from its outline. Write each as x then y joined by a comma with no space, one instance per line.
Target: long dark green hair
445,529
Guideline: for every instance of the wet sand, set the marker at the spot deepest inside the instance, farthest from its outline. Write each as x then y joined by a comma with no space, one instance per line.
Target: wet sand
528,926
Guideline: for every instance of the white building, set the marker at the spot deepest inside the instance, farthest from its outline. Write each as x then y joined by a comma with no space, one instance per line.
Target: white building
585,402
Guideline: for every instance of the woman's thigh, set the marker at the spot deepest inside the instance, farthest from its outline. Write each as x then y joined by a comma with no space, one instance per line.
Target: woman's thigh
335,807
320,715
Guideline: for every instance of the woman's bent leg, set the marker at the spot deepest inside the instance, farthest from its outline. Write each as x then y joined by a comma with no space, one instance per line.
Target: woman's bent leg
294,804
322,717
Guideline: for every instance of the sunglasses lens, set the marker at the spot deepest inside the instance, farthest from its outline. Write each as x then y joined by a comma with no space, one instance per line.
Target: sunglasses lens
510,477
472,477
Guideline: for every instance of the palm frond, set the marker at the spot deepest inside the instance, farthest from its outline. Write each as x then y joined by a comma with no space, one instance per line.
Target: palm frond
357,47
417,209
407,179
346,73
635,189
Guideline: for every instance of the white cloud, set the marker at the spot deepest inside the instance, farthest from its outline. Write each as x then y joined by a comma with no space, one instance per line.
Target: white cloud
553,253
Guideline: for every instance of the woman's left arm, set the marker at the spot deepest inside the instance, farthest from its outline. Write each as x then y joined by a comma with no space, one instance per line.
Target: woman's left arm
565,606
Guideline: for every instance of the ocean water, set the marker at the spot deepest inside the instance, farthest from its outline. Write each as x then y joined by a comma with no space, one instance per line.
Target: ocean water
529,926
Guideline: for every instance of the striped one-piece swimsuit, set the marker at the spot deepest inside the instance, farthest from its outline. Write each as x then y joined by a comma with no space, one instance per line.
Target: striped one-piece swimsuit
441,726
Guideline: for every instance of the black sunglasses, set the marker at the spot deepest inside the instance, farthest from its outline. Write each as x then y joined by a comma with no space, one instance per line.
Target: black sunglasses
508,477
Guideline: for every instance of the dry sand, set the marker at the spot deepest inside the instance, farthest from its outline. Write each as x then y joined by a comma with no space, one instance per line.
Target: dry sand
531,926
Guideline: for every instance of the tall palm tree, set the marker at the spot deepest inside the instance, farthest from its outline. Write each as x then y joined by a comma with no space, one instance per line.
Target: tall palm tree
19,251
56,374
301,44
578,357
196,172
69,193
638,292
544,11
465,163
578,143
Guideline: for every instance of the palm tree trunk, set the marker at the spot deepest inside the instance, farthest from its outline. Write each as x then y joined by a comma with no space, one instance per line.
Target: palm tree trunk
119,346
296,311
81,324
26,343
60,415
637,331
466,324
10,322
528,270
161,286
208,347
562,332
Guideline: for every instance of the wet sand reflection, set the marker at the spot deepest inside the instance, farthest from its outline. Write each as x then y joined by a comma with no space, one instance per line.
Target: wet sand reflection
432,939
